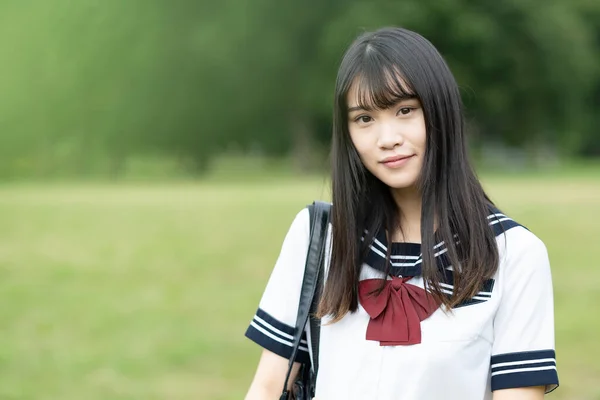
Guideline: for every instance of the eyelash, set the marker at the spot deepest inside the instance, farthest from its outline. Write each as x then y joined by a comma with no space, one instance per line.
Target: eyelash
406,108
358,119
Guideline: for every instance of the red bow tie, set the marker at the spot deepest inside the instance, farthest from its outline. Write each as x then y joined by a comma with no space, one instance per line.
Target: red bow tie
396,314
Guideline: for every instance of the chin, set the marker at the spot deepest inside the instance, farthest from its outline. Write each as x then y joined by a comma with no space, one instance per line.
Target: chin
399,184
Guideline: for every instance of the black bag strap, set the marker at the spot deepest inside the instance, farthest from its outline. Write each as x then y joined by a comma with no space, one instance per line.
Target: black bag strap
319,221
315,323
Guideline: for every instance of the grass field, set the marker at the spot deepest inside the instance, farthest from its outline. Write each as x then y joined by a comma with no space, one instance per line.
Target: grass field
144,291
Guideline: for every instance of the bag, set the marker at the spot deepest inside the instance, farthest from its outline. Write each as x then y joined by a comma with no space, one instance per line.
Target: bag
304,384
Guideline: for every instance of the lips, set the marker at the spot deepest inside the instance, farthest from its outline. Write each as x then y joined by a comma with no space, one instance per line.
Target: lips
396,158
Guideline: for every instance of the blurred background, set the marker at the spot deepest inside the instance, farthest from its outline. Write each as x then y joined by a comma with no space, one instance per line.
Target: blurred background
153,154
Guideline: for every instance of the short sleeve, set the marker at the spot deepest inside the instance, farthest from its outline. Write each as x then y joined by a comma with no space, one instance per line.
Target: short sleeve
273,325
523,352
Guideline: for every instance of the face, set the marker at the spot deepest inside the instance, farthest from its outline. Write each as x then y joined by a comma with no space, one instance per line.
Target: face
390,142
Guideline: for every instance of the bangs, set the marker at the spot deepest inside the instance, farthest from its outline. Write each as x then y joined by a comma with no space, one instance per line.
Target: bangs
379,83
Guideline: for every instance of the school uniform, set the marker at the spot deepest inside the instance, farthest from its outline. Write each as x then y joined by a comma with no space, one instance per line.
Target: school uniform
501,338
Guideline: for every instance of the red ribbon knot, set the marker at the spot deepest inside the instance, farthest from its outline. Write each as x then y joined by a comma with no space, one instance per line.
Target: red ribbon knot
396,313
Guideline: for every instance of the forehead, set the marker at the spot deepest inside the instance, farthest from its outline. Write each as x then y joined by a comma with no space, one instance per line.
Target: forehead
378,91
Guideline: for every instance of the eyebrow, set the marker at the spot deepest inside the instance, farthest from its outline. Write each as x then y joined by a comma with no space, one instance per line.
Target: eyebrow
403,98
357,108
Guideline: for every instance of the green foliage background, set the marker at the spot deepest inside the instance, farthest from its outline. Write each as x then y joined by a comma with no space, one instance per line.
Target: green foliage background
89,85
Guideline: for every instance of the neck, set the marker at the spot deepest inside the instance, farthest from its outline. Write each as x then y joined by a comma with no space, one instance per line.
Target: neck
409,203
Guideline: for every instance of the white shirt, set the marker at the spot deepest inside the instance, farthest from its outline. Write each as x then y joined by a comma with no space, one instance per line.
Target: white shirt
502,338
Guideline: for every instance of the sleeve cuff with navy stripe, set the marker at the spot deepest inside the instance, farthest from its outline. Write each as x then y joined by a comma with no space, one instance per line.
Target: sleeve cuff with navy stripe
276,336
524,369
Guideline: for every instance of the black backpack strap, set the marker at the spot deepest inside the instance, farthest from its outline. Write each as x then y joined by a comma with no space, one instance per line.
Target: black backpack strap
319,221
315,323
315,333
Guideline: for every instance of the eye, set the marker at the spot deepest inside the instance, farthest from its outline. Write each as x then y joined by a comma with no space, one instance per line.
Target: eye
405,110
365,119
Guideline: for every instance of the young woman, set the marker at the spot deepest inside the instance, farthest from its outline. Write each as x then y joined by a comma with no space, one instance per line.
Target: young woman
430,291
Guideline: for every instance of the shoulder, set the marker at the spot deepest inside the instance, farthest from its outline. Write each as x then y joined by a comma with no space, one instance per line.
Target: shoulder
519,248
513,237
301,222
519,240
522,252
298,231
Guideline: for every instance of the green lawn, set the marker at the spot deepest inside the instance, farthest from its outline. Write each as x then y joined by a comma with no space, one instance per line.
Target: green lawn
144,291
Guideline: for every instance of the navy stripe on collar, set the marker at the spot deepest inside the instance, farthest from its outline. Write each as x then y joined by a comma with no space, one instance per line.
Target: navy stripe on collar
406,258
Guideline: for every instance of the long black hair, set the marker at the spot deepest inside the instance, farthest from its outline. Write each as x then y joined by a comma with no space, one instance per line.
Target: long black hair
454,204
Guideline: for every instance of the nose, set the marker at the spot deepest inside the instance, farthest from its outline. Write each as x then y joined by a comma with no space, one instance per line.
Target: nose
389,135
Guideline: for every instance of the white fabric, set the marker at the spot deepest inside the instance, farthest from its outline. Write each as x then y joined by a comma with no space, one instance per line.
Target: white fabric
511,328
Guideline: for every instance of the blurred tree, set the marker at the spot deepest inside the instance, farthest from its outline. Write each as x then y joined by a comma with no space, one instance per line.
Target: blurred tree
590,138
523,80
283,77
90,83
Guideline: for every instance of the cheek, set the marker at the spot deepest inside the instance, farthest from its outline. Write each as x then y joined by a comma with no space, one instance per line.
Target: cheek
364,138
423,131
418,135
362,146
357,141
